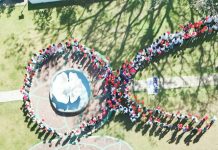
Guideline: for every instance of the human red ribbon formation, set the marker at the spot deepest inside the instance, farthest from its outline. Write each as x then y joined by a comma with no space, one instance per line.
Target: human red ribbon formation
116,85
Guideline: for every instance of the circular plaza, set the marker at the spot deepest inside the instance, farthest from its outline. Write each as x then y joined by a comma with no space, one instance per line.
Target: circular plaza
66,93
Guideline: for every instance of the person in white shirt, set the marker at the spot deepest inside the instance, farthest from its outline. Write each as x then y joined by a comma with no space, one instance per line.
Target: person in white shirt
133,119
215,27
162,48
209,19
215,19
165,36
121,108
158,50
180,40
171,36
176,42
125,110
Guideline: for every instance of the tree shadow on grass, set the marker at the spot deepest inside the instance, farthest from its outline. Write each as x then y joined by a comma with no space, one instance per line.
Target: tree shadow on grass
124,120
188,96
122,28
41,134
195,102
103,28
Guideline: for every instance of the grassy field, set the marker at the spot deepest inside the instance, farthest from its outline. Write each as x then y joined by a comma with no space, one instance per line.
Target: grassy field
199,101
141,140
14,134
192,100
116,29
18,136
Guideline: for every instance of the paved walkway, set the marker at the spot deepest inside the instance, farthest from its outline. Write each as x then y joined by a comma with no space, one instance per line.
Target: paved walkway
6,96
40,101
180,82
141,85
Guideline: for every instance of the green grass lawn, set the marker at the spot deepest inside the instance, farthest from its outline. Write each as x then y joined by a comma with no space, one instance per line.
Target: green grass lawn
139,140
14,134
199,101
18,136
116,29
192,100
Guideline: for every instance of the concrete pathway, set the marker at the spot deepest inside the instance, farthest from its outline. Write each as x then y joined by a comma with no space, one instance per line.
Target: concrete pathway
6,96
141,85
180,82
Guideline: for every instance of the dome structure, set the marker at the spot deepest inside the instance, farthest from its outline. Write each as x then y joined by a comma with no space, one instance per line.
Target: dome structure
70,91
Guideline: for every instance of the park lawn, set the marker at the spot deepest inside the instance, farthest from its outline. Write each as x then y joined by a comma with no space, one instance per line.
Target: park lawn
117,29
132,27
18,136
197,61
14,134
139,140
196,101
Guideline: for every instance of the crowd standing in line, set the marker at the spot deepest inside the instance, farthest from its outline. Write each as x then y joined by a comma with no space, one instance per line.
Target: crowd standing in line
116,85
76,51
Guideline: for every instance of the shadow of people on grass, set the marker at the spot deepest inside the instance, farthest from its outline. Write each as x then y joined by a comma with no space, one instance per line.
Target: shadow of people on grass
145,129
124,120
34,127
134,20
66,141
197,138
179,137
139,126
163,133
173,137
159,131
188,139
153,129
40,135
46,137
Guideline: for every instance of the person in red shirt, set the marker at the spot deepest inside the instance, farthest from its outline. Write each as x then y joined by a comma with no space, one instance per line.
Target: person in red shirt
179,126
196,25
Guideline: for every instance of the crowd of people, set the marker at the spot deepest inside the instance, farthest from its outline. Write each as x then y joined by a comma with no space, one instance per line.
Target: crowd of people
116,84
76,51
